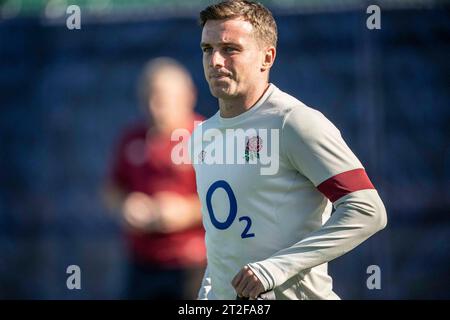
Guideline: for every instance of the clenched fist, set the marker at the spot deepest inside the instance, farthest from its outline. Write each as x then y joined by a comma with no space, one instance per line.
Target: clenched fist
247,284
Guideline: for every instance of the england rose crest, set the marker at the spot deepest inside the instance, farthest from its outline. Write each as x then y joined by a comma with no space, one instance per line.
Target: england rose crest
253,147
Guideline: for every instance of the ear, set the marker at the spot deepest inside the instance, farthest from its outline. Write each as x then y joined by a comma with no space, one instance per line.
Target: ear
269,58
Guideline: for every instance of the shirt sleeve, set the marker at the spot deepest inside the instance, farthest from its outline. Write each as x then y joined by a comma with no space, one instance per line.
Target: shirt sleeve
316,149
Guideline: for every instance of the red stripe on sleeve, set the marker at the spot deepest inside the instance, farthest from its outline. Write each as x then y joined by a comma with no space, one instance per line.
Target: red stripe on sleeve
344,183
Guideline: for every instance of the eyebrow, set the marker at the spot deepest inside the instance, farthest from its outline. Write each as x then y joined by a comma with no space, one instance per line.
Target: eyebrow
205,44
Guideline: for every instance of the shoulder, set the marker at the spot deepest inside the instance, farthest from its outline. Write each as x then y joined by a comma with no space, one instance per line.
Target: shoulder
283,101
308,123
198,117
200,127
298,118
202,123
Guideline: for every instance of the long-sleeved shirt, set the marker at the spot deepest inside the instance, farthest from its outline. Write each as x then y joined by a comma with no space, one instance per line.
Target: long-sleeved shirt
267,180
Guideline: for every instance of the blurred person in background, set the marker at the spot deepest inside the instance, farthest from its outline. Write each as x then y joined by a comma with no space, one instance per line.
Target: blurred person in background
156,198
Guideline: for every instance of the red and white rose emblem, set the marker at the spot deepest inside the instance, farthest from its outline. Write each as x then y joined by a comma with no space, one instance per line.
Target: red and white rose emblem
254,144
252,148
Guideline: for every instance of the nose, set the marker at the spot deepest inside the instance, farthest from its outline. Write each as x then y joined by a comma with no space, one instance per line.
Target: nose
217,61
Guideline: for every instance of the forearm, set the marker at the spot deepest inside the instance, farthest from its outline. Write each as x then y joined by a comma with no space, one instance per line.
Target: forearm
357,217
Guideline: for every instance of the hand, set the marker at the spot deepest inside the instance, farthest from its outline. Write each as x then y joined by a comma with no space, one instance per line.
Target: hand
163,212
176,212
140,211
247,284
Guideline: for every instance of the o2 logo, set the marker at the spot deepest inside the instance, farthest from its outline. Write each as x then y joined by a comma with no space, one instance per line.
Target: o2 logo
233,209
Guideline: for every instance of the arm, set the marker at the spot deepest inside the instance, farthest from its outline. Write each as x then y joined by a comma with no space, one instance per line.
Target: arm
164,212
357,217
161,212
316,149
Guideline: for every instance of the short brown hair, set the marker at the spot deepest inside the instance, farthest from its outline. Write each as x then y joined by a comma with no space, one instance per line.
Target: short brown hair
254,12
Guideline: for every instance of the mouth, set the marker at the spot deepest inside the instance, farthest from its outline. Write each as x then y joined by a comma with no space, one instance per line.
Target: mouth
219,76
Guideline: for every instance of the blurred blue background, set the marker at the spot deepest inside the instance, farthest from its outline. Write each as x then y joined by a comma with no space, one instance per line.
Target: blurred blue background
66,95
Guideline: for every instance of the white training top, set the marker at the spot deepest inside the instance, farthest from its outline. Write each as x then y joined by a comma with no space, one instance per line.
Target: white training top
270,207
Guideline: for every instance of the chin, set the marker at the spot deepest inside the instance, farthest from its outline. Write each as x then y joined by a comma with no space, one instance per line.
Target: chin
220,92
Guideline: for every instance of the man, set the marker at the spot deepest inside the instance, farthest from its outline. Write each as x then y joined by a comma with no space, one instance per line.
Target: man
271,235
157,198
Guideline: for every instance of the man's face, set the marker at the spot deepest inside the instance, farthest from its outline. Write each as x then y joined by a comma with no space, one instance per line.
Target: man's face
232,58
171,98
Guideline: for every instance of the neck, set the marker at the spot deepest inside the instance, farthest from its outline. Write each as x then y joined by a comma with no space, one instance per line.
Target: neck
235,106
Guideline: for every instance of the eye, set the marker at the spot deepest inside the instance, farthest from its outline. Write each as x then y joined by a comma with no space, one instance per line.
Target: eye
230,49
206,49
